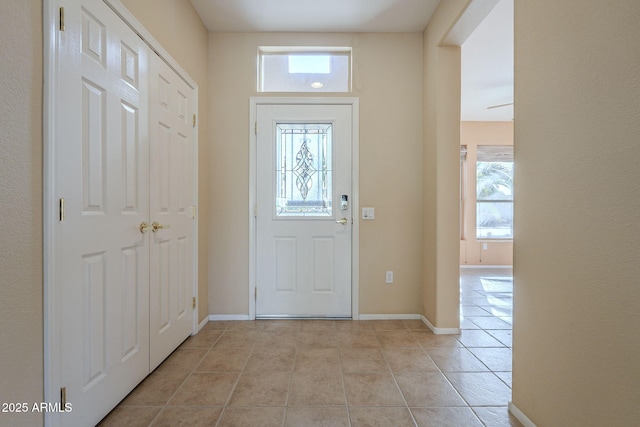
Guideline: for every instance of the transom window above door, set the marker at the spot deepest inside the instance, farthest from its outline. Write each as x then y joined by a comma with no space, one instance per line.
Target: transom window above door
304,69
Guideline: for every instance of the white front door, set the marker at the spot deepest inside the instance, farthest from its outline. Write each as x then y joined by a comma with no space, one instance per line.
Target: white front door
304,221
172,187
101,164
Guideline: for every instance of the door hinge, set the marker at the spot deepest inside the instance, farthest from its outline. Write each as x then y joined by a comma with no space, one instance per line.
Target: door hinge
193,212
255,210
194,303
63,397
255,293
62,19
255,127
194,120
61,209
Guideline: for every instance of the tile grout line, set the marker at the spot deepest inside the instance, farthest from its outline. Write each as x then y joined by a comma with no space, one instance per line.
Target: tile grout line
344,384
295,362
395,381
240,373
198,364
444,375
166,404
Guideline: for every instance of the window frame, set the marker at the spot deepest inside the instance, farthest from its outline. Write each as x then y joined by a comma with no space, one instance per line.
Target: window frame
331,51
485,201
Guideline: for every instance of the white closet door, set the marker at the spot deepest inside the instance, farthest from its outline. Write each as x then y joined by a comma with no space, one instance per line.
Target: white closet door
101,258
172,181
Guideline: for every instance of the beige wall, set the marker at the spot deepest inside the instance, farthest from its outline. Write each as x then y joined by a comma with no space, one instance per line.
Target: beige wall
21,333
178,28
576,327
441,120
472,252
387,78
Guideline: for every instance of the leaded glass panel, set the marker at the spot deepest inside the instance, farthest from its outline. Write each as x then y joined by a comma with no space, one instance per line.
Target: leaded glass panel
304,169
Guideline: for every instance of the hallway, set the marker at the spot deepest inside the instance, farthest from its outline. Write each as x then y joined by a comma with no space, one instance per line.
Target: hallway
339,373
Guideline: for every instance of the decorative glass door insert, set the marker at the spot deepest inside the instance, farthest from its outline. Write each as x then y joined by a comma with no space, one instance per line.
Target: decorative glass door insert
304,170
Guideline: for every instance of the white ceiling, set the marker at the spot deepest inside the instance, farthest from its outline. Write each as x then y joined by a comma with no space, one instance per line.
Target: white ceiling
487,55
316,16
487,67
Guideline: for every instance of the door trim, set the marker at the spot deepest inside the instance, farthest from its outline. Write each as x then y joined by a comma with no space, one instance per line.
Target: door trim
254,101
51,320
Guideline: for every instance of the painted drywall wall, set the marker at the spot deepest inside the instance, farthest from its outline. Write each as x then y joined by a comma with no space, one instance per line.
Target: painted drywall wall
387,78
21,334
472,251
178,28
441,179
576,328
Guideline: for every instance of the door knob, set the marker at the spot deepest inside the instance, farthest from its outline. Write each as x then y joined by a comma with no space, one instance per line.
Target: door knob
144,227
156,226
342,221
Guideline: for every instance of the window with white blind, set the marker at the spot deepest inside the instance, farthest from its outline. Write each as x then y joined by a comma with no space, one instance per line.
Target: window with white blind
494,192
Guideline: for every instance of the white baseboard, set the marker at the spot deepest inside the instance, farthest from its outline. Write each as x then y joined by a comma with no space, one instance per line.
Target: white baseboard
484,266
214,317
520,415
389,317
204,322
440,331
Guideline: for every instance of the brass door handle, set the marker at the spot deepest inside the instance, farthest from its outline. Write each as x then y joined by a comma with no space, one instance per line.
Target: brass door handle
156,226
144,227
342,221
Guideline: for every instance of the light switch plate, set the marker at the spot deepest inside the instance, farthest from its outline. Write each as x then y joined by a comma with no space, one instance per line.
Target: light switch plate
368,213
388,276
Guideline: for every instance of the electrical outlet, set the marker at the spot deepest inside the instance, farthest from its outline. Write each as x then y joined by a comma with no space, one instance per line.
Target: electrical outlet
389,276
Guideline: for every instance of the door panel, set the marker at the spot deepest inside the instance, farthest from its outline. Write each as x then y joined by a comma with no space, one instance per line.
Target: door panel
323,258
172,197
303,251
101,261
105,331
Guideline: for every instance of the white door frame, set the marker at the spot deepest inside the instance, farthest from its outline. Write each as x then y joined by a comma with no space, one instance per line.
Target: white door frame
51,15
355,198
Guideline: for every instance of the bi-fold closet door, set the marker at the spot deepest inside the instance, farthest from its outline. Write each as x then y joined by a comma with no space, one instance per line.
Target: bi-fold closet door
123,162
172,184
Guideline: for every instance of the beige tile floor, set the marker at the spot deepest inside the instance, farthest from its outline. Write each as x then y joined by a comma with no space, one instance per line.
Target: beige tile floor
339,373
